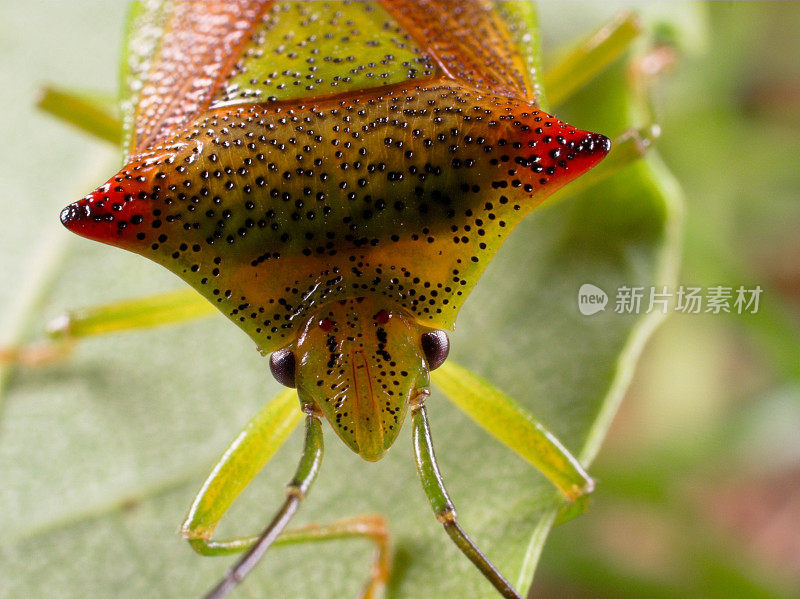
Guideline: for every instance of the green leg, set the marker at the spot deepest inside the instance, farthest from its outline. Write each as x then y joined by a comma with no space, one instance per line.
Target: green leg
245,457
35,355
252,448
143,312
579,66
589,57
515,427
442,506
368,526
88,112
372,527
296,491
91,113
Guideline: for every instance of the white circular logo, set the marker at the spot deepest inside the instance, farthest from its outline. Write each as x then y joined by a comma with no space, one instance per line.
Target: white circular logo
591,299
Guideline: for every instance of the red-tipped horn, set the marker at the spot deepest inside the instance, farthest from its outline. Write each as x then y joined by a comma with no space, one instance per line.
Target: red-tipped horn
112,213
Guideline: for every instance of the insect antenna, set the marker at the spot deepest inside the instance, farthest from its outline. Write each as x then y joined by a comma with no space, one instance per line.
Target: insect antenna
433,485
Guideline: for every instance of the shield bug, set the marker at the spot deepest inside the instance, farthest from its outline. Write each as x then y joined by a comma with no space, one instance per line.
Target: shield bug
334,177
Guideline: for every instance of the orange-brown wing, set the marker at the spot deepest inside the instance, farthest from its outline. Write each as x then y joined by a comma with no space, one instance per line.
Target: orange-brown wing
470,41
179,53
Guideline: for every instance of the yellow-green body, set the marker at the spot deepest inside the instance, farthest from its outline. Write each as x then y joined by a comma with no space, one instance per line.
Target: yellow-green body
387,193
337,205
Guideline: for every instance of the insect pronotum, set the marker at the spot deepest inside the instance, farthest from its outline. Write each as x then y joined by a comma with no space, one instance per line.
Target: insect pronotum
334,177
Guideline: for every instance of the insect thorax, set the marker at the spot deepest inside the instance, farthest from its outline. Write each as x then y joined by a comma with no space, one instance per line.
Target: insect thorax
404,193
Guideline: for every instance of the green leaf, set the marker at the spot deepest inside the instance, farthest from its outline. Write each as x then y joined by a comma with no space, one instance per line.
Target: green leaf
100,456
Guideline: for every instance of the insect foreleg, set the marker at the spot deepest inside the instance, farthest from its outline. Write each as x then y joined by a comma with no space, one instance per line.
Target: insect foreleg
139,313
252,448
245,457
517,428
590,56
368,526
35,355
90,113
443,507
296,491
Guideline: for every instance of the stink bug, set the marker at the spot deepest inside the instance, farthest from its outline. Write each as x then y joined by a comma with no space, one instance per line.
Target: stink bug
338,203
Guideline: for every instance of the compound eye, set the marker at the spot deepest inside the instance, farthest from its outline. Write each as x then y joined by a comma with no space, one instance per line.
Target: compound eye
436,346
282,364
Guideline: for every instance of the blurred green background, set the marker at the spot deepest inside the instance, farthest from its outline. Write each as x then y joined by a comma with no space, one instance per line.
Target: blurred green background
700,473
699,492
